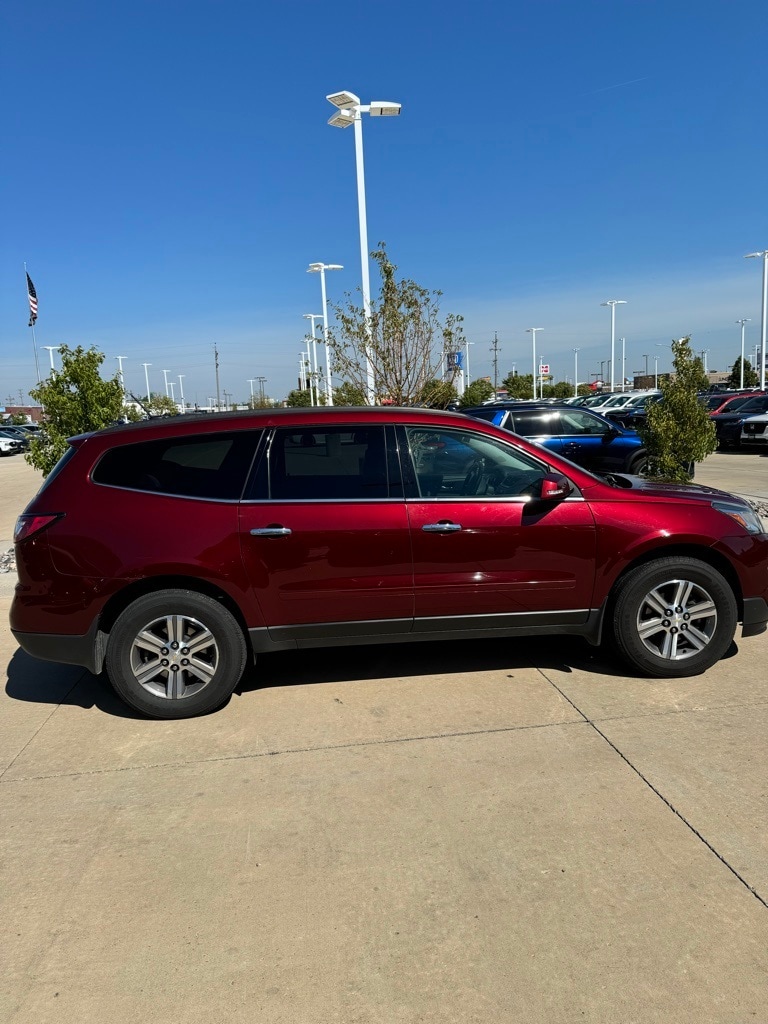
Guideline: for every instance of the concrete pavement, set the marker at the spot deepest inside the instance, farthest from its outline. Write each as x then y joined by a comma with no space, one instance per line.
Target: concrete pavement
468,832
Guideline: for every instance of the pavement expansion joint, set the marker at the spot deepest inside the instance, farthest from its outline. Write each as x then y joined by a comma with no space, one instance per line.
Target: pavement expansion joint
588,721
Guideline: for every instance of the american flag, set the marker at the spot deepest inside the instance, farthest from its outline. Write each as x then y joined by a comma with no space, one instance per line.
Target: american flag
32,296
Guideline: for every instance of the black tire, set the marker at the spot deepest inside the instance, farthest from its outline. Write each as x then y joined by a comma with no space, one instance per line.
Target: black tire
637,464
694,635
177,628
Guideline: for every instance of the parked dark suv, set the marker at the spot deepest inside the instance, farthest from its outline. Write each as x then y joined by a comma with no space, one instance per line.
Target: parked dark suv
173,551
583,436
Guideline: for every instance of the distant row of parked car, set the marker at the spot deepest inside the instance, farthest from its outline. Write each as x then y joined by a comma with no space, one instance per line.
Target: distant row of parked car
740,418
14,438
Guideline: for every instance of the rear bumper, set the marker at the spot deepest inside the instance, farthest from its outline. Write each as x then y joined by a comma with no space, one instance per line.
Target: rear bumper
87,651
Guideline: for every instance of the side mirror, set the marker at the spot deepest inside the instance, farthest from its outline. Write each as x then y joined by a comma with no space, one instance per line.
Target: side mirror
554,487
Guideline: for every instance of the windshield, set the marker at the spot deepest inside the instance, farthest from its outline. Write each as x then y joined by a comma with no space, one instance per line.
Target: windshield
758,404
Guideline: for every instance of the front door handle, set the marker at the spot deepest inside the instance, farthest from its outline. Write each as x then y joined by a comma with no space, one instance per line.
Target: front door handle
444,526
271,531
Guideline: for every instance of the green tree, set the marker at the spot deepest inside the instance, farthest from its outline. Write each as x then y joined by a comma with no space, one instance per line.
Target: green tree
297,399
701,378
437,394
76,399
346,394
476,393
751,377
404,340
519,385
162,405
678,431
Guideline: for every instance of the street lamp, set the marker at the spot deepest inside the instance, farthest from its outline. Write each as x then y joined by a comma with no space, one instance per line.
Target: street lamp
51,350
181,391
613,303
120,371
261,381
313,317
467,343
575,372
623,364
532,331
146,378
349,112
744,320
764,256
173,393
165,374
320,268
250,381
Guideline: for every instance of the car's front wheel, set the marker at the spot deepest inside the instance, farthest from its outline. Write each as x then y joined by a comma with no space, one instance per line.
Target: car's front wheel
175,654
674,617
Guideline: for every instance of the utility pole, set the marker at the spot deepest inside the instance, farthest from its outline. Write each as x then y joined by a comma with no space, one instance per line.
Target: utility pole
261,389
495,348
216,361
645,357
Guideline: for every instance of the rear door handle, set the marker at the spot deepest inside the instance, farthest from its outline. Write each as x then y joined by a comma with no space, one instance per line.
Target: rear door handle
271,531
444,526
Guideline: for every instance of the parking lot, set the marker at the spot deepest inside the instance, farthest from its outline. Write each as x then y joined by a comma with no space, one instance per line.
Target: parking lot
476,831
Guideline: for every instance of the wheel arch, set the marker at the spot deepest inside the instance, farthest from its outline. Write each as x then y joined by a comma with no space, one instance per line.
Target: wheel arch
120,601
702,554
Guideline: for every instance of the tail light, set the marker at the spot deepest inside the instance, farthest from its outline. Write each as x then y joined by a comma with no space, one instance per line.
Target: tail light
30,524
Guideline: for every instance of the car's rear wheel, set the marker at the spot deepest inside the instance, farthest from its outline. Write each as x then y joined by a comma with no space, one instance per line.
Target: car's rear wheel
674,617
637,464
175,654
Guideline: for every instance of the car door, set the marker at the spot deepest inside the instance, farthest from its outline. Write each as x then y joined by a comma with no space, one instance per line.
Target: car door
325,537
486,555
591,442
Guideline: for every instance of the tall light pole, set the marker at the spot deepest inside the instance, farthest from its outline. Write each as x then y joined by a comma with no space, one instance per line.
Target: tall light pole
467,343
120,371
764,256
532,331
250,381
173,393
623,364
744,320
613,303
320,268
165,374
645,357
261,388
146,378
313,317
51,349
575,372
349,111
181,391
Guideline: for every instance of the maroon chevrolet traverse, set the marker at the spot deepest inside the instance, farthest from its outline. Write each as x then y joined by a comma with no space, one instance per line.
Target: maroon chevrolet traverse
171,552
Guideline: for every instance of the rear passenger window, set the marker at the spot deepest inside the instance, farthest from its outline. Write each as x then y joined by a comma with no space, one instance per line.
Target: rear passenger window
195,466
328,463
535,422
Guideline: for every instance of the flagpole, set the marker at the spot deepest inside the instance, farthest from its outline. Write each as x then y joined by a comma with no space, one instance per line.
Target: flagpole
34,346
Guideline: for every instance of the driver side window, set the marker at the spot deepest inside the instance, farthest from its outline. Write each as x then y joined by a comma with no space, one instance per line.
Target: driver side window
458,464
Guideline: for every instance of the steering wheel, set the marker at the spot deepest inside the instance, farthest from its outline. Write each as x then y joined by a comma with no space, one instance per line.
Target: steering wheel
473,477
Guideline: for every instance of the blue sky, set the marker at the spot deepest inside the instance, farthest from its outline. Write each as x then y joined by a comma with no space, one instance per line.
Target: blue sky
169,174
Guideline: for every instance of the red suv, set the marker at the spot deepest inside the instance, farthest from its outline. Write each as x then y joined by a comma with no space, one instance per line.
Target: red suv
171,552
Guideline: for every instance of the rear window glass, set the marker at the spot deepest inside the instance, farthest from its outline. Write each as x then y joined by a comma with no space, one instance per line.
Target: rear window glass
535,422
196,466
328,463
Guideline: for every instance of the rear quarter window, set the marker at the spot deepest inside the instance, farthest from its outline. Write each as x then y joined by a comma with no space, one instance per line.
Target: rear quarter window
535,422
213,466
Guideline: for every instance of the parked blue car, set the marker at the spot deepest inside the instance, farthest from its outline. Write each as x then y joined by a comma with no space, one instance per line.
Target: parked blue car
584,437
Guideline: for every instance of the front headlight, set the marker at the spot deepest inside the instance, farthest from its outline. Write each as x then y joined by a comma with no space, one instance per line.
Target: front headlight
745,517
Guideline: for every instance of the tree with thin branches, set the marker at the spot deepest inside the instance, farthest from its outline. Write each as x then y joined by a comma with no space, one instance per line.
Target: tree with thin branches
405,341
